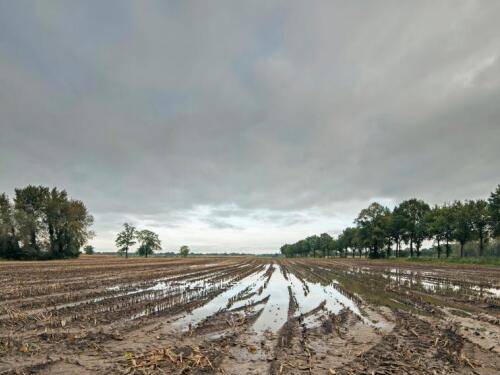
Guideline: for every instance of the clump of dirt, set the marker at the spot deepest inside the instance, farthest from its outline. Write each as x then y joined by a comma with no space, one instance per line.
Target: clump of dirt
170,360
414,347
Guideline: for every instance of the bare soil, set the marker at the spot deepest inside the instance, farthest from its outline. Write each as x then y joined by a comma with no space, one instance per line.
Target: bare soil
246,315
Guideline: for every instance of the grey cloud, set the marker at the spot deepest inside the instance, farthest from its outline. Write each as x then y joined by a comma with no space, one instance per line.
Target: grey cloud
261,112
220,224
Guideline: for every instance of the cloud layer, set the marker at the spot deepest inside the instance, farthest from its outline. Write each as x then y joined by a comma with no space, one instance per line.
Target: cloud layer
235,126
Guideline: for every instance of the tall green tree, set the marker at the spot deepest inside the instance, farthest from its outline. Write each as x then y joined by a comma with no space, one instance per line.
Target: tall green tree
126,239
89,250
341,245
324,244
436,222
347,241
447,223
54,219
462,221
388,240
30,203
184,251
357,241
371,222
303,247
332,246
314,244
414,213
148,242
287,250
480,220
494,212
9,246
68,224
75,230
395,227
46,223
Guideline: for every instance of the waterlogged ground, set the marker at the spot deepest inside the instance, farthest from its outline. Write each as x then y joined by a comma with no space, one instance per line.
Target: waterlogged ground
105,315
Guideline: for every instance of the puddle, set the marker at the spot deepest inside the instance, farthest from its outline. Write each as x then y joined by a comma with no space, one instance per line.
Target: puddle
219,303
334,300
167,284
275,312
487,290
184,291
431,282
272,293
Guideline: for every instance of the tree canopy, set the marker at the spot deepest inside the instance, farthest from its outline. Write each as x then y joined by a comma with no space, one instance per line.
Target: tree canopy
494,211
43,223
126,239
372,222
89,249
184,251
148,242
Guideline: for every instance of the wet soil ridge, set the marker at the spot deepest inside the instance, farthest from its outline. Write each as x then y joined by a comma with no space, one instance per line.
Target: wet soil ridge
248,316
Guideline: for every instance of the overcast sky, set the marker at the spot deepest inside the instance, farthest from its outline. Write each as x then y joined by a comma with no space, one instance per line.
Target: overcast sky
242,125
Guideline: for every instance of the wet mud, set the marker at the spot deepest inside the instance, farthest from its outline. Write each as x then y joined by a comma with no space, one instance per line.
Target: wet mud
244,315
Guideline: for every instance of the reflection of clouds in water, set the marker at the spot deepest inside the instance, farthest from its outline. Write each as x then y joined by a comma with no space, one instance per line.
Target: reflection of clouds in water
432,282
275,312
220,302
308,295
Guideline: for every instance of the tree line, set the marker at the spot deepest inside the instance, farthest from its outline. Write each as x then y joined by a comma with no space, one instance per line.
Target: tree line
381,232
42,223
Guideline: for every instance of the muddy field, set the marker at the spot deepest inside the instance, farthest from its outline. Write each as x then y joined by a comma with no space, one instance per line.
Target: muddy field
106,315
